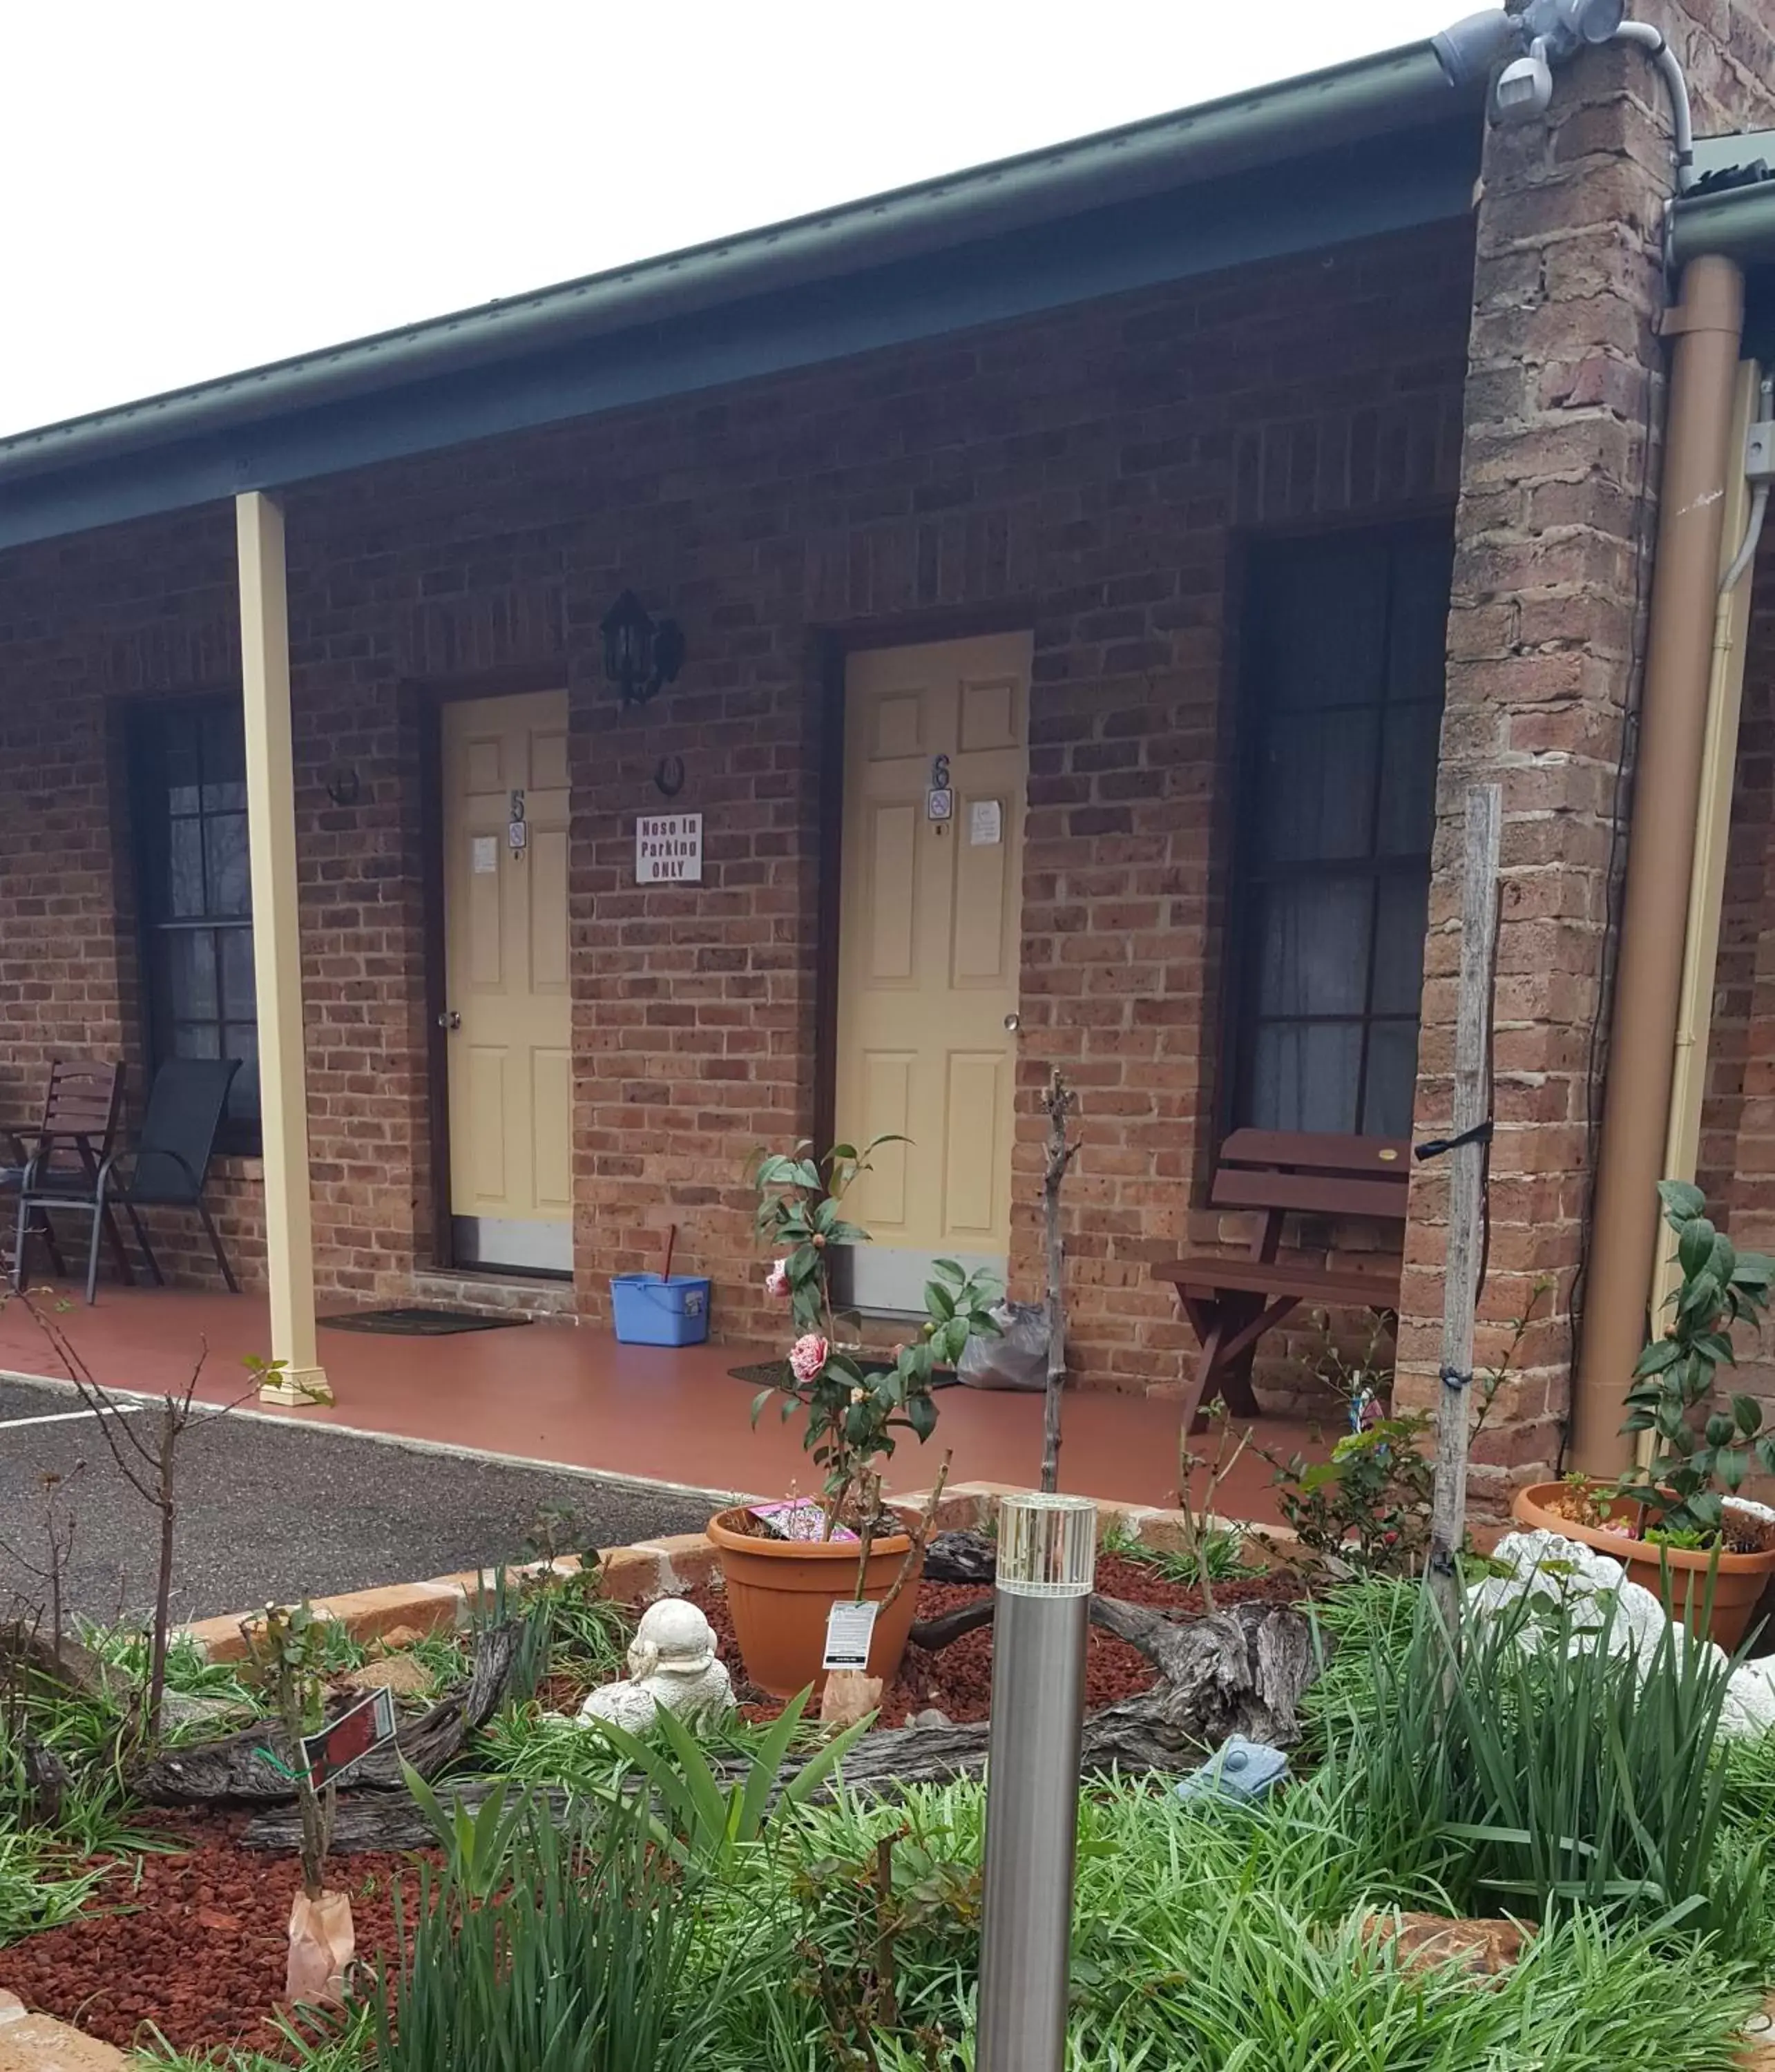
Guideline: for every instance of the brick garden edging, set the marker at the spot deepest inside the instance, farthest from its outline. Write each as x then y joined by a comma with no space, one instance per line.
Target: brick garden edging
649,1569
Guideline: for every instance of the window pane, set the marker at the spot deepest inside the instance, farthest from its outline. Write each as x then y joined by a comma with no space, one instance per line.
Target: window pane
1321,638
1317,779
225,858
1410,738
240,1040
1417,633
1313,954
238,996
185,870
1392,1078
178,760
197,1039
224,759
189,962
1402,915
1304,1076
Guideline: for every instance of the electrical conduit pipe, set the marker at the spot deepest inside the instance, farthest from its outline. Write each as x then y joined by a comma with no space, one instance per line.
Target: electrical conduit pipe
1706,323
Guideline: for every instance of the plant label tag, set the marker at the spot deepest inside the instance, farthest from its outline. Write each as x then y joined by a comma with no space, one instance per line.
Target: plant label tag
343,1743
849,1629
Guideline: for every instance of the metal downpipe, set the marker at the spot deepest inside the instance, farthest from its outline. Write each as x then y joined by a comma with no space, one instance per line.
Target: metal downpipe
1706,323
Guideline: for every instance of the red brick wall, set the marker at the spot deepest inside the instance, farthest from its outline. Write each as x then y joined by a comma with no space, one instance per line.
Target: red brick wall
1564,403
1088,475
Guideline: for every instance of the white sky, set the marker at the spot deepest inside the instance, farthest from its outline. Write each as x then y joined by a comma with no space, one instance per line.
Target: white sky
197,186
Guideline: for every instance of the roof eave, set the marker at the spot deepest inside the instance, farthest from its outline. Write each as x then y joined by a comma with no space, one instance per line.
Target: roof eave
1396,89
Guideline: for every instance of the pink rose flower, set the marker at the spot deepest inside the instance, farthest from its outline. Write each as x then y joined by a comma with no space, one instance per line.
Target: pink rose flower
776,1281
807,1356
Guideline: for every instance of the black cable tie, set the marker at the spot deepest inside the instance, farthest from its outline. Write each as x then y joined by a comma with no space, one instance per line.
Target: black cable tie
1453,1378
1480,1133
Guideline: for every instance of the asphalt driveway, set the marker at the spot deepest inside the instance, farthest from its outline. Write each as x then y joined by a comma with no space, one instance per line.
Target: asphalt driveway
270,1510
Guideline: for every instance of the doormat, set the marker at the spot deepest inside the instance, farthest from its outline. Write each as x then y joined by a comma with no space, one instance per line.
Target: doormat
775,1374
417,1323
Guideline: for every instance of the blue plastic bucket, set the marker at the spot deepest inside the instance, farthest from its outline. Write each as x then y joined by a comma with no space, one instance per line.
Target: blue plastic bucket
648,1311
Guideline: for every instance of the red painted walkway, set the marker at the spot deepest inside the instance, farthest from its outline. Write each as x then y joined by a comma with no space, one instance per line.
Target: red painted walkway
569,1396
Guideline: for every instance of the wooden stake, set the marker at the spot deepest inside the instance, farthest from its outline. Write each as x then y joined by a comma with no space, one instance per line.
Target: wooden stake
1059,1101
1466,1206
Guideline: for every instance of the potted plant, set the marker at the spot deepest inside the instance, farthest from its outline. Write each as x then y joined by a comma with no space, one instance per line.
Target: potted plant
787,1565
1675,1513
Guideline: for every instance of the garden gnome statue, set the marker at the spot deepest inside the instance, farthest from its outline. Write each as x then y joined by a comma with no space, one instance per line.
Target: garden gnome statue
671,1663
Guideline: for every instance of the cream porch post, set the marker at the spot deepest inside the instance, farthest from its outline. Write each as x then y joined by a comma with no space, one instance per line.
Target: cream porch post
276,951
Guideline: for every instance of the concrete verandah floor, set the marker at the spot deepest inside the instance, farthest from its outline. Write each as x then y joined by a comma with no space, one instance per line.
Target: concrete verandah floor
569,1395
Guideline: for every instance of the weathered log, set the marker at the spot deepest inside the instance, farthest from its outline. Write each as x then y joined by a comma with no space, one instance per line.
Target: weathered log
947,1627
253,1766
1207,1660
1237,1671
381,1820
1242,1671
960,1557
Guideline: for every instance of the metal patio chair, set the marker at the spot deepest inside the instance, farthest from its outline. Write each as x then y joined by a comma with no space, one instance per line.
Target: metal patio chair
166,1167
60,1157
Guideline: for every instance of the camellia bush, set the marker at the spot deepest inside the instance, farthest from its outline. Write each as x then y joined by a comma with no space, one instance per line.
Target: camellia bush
1703,1449
855,1408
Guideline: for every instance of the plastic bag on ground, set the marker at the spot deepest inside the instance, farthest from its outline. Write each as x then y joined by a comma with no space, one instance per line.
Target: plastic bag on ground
1017,1357
322,1941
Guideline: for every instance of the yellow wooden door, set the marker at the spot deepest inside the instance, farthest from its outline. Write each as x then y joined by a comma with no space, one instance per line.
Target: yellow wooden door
928,953
510,1047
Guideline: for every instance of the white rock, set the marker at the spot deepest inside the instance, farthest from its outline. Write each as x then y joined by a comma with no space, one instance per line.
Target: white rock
1578,1575
671,1663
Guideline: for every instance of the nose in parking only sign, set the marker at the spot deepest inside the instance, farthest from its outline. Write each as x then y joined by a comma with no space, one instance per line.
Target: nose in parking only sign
668,849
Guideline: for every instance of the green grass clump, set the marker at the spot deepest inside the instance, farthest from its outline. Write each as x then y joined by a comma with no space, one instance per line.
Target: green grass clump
1222,1550
587,1960
43,1883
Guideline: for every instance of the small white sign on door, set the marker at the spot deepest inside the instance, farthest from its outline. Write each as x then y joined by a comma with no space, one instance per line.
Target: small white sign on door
668,849
985,823
483,860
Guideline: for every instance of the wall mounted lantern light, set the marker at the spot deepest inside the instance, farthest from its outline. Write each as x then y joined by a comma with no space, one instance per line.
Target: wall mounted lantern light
640,652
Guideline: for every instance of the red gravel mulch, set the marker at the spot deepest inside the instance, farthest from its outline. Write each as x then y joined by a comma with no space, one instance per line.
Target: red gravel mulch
957,1680
197,1943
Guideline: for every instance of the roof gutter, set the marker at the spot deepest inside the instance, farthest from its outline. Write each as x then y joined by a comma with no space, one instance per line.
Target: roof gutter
1736,223
1316,111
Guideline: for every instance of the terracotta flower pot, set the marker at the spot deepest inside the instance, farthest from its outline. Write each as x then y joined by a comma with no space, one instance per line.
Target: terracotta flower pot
1738,1585
780,1592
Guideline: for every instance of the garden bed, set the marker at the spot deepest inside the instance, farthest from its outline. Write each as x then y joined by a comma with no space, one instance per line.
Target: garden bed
191,1944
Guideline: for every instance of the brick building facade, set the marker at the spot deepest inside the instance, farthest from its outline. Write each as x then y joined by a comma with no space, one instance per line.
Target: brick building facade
1100,471
905,494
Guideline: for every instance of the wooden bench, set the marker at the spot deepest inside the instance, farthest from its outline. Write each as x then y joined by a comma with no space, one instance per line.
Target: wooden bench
1231,1302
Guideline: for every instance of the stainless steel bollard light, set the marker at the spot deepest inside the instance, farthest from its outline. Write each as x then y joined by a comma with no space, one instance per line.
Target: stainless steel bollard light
1047,1562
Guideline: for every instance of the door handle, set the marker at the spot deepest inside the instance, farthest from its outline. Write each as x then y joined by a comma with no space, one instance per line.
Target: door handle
1013,1023
450,1020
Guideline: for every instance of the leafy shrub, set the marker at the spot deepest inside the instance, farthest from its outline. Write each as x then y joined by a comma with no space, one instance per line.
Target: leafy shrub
1702,1450
1368,1504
